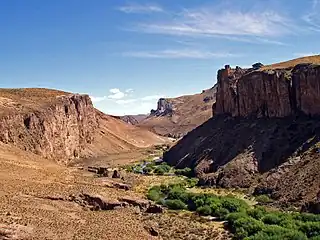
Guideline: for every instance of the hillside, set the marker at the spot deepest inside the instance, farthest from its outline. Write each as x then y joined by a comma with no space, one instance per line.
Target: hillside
264,135
174,117
64,126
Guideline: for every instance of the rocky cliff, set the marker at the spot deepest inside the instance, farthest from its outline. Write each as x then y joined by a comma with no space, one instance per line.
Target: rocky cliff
64,126
265,135
60,130
174,117
269,93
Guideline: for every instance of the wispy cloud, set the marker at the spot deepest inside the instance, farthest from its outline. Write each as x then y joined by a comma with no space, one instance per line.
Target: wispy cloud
213,22
312,18
138,8
182,53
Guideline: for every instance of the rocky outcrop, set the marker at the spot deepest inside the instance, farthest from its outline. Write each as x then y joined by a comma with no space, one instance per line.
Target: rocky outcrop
60,130
264,136
164,107
269,93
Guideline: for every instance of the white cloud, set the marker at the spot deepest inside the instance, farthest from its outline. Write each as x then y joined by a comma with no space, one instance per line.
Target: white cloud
312,18
182,53
116,94
138,8
98,99
210,22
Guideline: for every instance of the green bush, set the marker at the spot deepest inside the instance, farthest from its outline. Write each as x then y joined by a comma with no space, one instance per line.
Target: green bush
184,172
247,226
257,212
178,192
311,229
272,219
204,210
159,171
234,204
221,212
162,169
175,204
148,169
263,199
192,182
307,217
232,217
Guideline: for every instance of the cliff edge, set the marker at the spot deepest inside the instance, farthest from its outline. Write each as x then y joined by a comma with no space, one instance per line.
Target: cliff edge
64,126
265,135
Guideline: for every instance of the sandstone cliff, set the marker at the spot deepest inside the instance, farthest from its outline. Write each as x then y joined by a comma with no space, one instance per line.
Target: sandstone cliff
63,126
265,134
269,93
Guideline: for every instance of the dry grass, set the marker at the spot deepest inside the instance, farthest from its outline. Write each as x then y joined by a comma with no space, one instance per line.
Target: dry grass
26,178
291,63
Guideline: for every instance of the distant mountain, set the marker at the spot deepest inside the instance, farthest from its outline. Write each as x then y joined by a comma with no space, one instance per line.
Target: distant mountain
174,117
134,119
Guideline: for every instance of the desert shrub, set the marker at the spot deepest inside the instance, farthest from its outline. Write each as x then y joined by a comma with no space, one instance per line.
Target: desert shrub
129,168
184,172
257,212
175,204
159,171
311,229
204,210
148,169
234,204
162,169
278,235
165,166
232,217
192,182
221,212
154,193
178,192
307,217
272,219
247,226
263,199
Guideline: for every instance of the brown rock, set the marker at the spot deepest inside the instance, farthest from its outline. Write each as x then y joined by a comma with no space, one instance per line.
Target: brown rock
116,174
154,208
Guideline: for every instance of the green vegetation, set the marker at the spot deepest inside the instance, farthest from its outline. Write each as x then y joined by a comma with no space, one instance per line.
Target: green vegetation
263,199
244,221
184,172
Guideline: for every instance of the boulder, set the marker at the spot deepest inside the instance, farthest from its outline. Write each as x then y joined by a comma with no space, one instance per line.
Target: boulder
116,174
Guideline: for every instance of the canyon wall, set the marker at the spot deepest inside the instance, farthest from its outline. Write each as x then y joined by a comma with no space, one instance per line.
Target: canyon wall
59,130
269,93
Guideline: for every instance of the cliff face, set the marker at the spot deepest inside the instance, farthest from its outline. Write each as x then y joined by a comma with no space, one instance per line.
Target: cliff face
60,130
269,93
265,134
63,126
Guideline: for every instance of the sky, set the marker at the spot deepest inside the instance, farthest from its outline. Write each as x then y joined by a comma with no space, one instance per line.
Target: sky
128,54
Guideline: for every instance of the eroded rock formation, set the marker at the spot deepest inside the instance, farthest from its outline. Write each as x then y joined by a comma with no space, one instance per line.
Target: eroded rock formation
60,130
269,93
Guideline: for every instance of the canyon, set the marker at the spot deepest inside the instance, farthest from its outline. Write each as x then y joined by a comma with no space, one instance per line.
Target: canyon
175,117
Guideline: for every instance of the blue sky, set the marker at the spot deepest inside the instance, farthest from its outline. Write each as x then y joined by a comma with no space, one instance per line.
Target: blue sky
127,54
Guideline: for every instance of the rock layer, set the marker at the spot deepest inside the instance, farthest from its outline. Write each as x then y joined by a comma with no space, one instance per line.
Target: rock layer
269,93
60,130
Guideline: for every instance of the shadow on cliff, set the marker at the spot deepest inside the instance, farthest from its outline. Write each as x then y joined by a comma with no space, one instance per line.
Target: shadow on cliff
268,142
